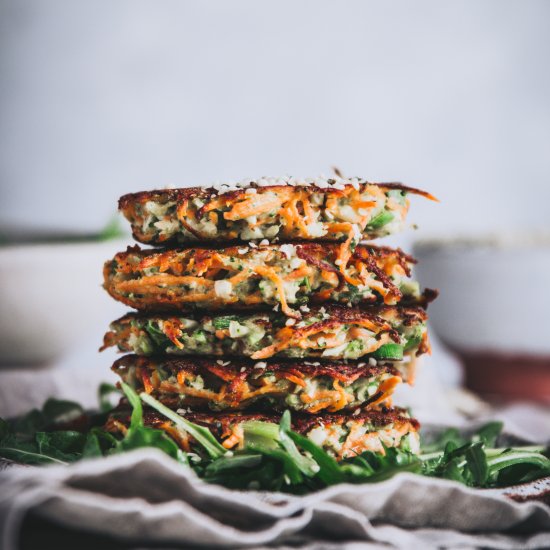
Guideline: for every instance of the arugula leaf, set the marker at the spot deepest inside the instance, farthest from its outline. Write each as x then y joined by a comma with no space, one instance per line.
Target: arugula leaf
439,444
98,443
512,457
329,471
371,467
139,435
26,453
227,464
203,435
92,446
452,470
477,463
306,465
136,419
64,445
274,457
512,467
488,434
288,464
261,433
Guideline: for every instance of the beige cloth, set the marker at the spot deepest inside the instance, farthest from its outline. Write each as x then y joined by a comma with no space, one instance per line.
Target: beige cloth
144,497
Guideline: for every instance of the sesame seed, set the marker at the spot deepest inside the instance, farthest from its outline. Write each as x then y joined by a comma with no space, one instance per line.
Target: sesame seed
260,365
290,322
287,250
322,182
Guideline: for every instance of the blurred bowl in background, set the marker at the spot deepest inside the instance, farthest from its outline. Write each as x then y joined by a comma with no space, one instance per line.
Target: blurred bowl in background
493,309
51,298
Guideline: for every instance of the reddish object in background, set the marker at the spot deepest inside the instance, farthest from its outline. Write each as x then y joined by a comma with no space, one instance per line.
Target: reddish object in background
493,309
507,377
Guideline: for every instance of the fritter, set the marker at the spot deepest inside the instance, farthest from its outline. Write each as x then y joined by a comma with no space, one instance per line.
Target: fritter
386,333
284,208
341,435
242,277
207,383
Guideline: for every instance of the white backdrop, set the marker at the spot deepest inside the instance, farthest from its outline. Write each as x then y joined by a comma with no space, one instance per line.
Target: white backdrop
98,98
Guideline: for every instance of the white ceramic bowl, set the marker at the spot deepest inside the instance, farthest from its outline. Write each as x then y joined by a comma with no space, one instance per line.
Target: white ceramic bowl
51,299
494,293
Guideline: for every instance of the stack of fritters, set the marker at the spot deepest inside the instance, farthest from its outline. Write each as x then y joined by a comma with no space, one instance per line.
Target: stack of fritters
264,299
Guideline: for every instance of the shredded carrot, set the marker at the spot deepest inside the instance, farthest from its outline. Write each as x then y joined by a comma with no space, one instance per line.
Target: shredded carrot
235,438
387,387
269,272
180,436
342,397
299,273
289,221
298,218
308,210
172,329
146,381
293,378
256,204
321,404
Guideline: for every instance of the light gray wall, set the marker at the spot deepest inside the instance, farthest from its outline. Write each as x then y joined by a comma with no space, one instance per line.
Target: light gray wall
98,98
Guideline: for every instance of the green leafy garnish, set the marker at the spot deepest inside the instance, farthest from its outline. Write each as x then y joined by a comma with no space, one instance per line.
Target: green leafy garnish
473,462
203,435
271,457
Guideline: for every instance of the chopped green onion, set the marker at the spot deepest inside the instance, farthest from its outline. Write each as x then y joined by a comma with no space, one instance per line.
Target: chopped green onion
391,351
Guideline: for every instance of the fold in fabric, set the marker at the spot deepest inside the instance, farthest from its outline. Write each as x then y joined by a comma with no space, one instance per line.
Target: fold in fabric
145,497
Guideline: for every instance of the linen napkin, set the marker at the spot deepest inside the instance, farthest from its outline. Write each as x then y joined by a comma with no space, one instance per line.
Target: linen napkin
146,498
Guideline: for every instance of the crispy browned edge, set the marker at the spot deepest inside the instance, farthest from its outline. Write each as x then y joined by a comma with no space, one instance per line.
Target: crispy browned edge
192,192
305,251
311,252
307,246
219,423
242,368
337,314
